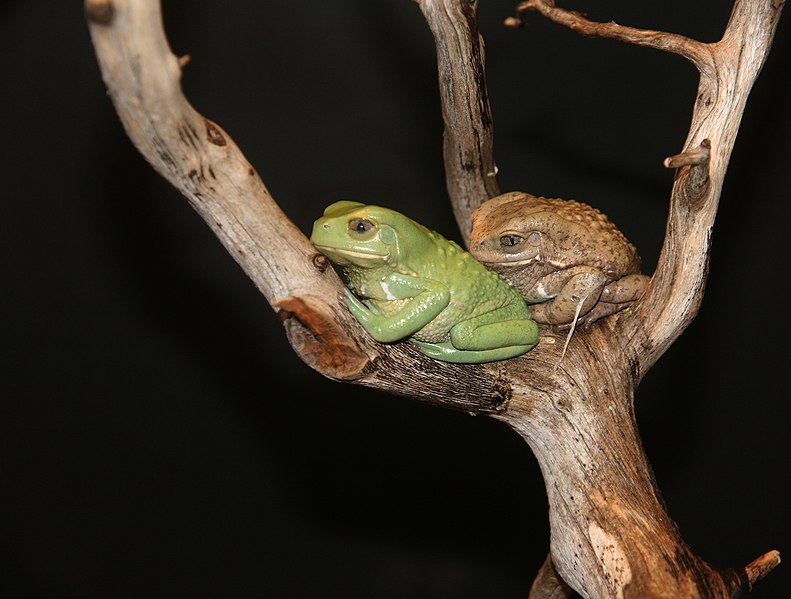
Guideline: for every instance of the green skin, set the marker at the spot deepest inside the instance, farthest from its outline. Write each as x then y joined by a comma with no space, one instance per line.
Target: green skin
416,284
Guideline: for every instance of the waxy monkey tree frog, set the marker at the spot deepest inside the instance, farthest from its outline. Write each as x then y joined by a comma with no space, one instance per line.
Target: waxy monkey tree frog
566,258
413,283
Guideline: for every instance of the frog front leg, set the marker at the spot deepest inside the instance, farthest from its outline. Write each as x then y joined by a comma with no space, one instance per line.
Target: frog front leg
424,300
563,296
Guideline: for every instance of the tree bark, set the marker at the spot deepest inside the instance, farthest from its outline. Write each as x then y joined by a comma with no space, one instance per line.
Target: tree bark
470,171
611,535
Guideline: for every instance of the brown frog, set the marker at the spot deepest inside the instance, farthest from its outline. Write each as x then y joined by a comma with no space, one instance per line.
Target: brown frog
564,256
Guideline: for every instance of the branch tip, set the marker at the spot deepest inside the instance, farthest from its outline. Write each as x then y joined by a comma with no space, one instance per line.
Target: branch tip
100,12
513,22
761,566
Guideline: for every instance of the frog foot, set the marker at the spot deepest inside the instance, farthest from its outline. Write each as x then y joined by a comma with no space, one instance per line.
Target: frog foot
599,311
446,352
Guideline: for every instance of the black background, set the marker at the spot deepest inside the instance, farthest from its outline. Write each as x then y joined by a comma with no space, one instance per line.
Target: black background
160,438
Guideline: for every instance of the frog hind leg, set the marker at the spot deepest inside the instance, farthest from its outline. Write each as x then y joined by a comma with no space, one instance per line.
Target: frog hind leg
474,341
446,352
615,297
567,294
481,333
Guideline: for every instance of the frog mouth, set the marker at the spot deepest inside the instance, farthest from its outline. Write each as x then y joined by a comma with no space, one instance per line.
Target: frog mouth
352,253
523,262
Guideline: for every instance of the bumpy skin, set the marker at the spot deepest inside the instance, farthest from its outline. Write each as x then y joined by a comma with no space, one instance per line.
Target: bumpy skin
416,284
566,258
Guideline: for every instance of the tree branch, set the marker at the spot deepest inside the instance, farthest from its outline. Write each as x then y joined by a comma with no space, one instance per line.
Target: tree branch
760,567
201,161
695,51
470,172
727,70
675,293
611,535
194,154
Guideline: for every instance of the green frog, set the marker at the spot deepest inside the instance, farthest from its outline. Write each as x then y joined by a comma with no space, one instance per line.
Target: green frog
408,282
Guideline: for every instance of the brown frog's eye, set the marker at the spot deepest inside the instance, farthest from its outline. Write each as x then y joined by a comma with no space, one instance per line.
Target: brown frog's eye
511,240
360,226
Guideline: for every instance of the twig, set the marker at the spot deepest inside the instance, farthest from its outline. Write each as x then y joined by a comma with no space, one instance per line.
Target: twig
695,51
691,157
761,566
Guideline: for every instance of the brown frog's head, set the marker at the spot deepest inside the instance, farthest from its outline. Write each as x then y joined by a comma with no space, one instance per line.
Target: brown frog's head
514,229
517,229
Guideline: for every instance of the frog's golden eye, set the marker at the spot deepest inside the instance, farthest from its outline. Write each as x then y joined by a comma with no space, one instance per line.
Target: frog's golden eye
360,226
510,240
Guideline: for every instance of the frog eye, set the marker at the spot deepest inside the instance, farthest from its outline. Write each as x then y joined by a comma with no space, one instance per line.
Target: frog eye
510,240
360,226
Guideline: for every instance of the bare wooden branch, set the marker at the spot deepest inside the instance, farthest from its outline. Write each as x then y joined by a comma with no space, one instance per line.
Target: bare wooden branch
676,290
470,171
200,160
760,567
611,535
693,50
194,154
728,70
